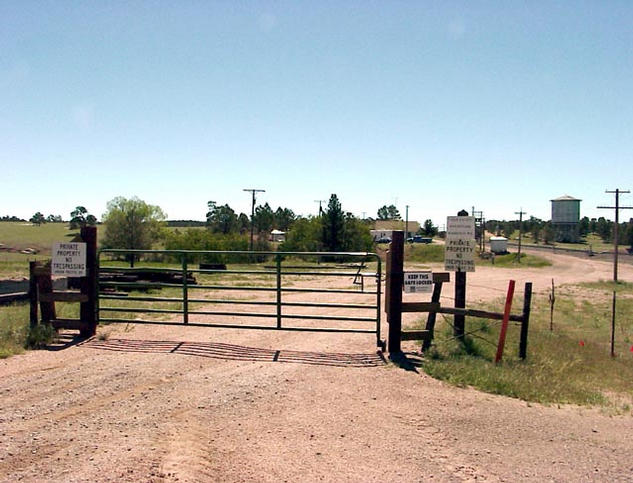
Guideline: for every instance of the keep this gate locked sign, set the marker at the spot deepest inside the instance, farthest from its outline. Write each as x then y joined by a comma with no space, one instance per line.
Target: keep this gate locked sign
418,282
69,259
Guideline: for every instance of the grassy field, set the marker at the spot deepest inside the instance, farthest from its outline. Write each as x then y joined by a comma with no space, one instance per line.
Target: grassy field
569,364
510,260
592,240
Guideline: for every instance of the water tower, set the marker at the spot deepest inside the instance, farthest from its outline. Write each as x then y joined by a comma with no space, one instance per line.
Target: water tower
565,218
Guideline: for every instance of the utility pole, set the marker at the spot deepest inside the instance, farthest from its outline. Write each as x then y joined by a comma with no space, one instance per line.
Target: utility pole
479,217
406,223
520,213
320,208
253,191
617,209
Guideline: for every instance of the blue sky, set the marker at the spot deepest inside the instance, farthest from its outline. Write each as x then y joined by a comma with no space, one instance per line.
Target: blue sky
439,105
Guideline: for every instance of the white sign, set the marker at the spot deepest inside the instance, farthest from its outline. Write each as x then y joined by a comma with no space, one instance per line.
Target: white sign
460,226
418,282
459,255
69,259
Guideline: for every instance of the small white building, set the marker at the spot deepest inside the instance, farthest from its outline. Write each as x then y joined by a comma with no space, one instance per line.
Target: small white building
498,245
277,236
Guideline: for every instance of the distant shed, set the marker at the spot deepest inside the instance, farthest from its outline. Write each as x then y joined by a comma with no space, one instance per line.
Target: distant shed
498,244
277,236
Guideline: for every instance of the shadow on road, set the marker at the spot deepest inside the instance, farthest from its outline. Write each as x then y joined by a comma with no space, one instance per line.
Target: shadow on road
232,352
408,361
64,341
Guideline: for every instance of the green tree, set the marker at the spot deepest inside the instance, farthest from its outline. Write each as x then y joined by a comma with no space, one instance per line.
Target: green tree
264,218
221,219
548,233
304,236
629,234
80,217
38,218
604,228
243,223
132,224
534,226
428,228
356,235
333,225
205,240
284,218
388,213
583,226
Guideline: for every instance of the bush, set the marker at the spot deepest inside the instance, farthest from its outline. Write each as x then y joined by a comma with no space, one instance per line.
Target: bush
40,336
204,240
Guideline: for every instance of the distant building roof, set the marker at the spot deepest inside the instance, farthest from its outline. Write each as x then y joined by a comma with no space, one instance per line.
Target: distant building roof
565,198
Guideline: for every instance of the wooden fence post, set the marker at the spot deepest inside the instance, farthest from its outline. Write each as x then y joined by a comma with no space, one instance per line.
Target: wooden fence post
88,310
45,286
395,279
33,294
525,322
430,321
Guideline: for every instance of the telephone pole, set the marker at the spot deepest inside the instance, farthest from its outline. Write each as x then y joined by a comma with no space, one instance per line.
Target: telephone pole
480,222
617,209
253,191
520,213
320,208
406,223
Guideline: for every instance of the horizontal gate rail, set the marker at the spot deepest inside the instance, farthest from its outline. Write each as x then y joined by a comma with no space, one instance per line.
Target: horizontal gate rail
121,286
234,326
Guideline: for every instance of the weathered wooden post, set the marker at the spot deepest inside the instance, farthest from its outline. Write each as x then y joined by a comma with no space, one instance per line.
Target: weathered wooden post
459,321
525,320
395,279
33,294
438,280
88,309
45,290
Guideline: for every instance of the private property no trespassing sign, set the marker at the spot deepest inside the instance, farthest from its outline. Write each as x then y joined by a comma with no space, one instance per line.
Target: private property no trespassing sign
69,259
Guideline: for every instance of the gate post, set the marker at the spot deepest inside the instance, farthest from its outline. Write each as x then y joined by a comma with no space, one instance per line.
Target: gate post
395,279
459,321
88,310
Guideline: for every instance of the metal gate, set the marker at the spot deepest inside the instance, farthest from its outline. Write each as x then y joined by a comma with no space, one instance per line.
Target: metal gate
326,291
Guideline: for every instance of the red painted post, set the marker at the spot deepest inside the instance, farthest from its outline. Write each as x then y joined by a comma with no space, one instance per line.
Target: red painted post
504,323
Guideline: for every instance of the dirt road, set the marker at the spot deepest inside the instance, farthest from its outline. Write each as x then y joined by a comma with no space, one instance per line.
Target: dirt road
198,404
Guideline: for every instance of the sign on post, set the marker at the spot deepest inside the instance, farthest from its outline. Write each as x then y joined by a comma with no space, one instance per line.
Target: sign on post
459,255
69,259
460,227
459,252
418,282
